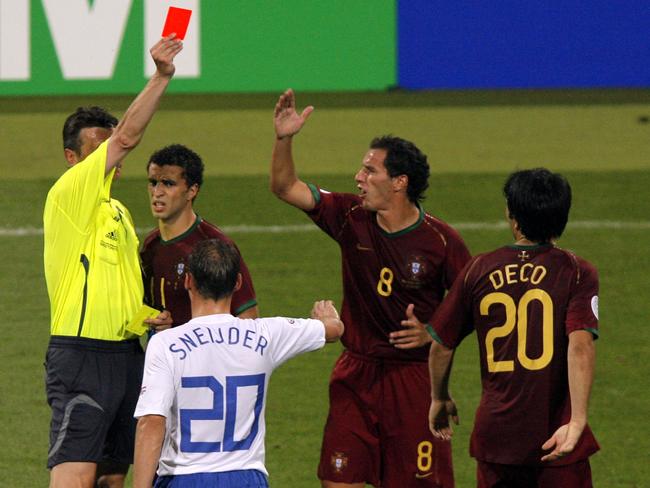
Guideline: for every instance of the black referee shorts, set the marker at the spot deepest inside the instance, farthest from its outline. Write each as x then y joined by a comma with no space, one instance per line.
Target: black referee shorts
92,388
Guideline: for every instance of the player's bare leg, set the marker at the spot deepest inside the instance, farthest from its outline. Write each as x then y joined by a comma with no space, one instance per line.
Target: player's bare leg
111,481
73,475
111,474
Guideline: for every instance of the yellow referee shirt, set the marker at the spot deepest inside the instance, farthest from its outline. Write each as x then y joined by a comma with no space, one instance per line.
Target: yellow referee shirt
91,258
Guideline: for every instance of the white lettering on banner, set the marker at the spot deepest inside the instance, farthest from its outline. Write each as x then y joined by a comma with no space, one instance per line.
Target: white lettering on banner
14,40
87,35
188,64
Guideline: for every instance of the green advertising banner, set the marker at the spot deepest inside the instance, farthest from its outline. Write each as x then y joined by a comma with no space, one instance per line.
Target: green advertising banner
57,47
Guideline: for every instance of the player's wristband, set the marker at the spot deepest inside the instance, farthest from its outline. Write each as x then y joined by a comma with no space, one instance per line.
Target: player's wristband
431,332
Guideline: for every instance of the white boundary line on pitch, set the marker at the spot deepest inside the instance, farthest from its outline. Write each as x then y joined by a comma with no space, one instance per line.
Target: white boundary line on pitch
280,229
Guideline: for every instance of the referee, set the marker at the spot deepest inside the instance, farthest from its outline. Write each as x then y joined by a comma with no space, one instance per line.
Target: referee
93,364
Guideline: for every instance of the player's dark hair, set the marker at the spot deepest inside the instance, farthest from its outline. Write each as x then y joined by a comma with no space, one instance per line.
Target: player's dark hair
539,201
214,265
183,156
404,158
82,118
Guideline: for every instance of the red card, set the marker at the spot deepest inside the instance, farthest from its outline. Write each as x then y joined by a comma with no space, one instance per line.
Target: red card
177,21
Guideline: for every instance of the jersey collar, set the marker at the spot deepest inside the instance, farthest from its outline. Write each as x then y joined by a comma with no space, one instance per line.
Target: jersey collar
405,230
196,223
531,247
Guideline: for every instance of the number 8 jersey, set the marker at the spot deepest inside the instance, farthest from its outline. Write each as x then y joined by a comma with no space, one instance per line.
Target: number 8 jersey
523,301
384,272
209,379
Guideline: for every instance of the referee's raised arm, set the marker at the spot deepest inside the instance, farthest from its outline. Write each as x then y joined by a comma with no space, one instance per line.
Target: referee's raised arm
129,131
94,283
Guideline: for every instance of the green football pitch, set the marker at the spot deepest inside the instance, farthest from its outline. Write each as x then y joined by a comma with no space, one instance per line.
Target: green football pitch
599,140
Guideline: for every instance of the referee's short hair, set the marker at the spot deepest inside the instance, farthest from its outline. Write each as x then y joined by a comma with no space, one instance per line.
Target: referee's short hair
83,118
214,265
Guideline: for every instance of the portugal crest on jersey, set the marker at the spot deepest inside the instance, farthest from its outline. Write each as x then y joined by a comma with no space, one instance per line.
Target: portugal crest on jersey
339,461
180,267
416,267
415,270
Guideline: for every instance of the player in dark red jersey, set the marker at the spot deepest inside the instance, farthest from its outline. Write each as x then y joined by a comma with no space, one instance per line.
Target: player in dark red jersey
534,307
175,175
397,262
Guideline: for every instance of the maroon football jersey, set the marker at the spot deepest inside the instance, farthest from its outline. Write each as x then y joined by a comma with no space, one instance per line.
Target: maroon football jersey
384,272
164,264
523,301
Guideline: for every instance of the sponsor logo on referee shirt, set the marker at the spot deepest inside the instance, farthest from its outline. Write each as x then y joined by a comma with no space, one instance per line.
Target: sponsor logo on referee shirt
110,240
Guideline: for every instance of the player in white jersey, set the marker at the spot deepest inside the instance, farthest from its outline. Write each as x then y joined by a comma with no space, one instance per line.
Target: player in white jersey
201,407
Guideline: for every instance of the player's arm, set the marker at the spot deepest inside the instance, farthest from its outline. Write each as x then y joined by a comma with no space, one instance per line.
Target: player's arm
284,181
163,321
581,358
129,131
442,405
325,311
415,333
149,436
250,313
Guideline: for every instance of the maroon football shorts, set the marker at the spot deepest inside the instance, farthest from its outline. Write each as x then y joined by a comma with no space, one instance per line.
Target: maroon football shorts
377,430
577,475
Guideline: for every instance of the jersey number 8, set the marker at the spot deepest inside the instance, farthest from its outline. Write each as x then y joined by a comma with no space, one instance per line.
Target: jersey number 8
385,283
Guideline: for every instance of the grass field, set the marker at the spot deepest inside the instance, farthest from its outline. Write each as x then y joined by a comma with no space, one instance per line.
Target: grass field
595,139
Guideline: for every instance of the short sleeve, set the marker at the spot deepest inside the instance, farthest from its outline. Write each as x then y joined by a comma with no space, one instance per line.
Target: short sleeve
80,190
158,390
453,320
457,257
290,337
331,210
582,312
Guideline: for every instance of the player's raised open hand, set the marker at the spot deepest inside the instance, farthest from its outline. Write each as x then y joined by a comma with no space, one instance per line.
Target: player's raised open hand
164,52
563,441
414,335
439,414
325,311
285,118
